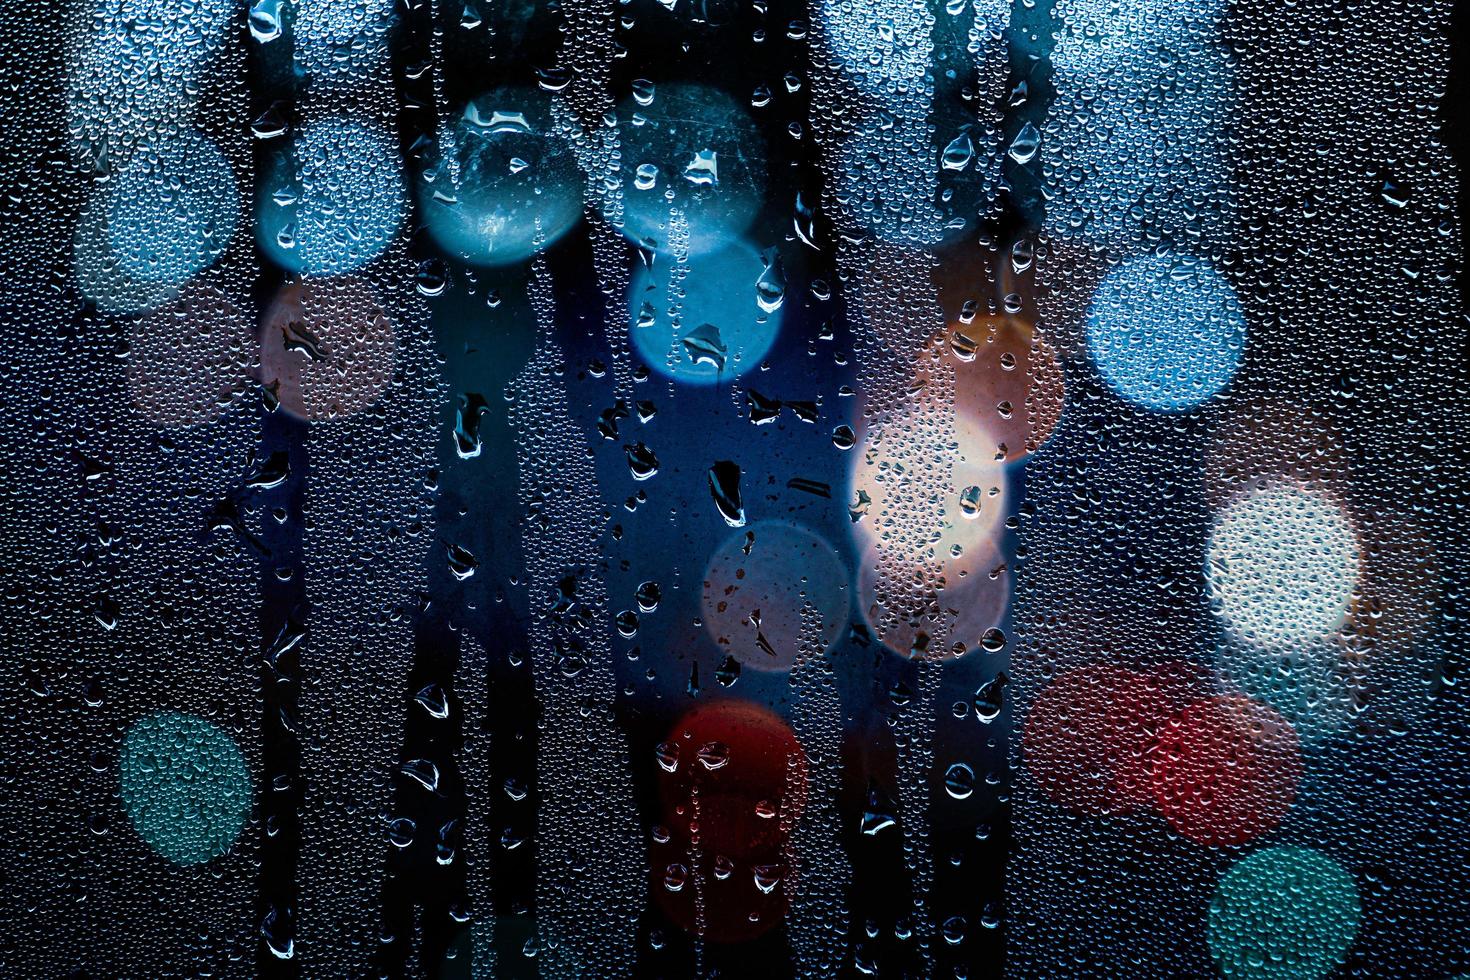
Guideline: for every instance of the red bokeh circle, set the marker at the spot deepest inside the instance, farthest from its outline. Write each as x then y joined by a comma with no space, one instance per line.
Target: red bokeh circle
1226,770
732,784
1091,733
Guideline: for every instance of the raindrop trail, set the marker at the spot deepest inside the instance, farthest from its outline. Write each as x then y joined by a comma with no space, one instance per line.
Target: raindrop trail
425,894
283,595
580,864
1031,40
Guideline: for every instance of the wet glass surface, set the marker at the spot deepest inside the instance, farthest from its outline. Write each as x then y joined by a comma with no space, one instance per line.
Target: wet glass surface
761,489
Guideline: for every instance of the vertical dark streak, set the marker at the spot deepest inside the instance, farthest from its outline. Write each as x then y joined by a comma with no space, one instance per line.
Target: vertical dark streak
283,600
283,611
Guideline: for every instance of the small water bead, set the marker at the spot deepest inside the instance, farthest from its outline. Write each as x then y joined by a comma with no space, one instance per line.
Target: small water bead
959,781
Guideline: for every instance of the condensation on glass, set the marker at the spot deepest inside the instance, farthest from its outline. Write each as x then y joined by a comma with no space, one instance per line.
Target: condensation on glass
734,488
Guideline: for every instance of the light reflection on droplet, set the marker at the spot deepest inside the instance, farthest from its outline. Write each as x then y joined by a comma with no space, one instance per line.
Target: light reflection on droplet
506,184
334,201
1283,913
711,161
